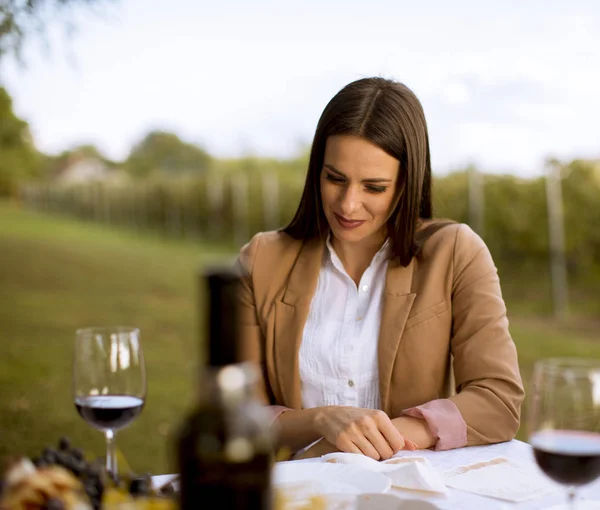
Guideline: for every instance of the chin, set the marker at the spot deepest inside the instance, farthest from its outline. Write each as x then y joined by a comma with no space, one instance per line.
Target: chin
350,236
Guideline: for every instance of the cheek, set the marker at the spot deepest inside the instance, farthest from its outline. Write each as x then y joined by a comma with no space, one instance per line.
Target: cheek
328,194
381,206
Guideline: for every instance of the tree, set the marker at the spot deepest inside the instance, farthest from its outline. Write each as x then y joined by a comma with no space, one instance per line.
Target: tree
19,160
21,19
161,151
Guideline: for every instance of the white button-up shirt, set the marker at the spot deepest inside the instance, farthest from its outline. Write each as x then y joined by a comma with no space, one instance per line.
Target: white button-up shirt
338,353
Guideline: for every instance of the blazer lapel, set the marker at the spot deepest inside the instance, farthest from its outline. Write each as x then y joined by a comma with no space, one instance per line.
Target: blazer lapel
290,317
397,302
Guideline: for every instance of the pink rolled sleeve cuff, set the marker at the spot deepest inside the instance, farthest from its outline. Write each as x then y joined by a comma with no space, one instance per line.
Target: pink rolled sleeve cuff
276,411
445,422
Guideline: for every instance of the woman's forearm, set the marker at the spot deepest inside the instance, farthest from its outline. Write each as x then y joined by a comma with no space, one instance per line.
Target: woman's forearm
296,429
441,419
415,430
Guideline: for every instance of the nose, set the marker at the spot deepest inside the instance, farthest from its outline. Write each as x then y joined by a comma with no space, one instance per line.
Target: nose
350,201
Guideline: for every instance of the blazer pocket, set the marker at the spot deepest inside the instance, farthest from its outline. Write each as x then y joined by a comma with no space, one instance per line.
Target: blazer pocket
428,313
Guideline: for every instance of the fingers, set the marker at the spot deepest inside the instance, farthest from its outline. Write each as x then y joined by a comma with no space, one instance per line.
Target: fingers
345,444
363,431
365,434
353,440
379,442
389,432
367,448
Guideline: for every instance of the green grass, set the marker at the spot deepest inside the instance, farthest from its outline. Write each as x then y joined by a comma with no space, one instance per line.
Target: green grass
57,275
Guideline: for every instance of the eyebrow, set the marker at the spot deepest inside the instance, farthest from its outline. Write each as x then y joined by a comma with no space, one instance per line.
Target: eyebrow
342,174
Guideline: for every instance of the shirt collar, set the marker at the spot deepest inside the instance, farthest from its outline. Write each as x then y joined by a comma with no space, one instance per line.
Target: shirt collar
381,255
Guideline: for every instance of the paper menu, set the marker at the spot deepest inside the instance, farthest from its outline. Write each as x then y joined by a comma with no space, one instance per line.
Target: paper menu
500,478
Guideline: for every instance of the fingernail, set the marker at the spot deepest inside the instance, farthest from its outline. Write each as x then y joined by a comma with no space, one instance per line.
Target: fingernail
410,445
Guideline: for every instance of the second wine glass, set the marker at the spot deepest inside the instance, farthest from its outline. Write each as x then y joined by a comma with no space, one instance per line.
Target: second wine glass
564,423
109,381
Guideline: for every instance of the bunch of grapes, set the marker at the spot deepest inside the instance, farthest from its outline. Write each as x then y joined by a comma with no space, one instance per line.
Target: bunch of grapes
49,489
91,474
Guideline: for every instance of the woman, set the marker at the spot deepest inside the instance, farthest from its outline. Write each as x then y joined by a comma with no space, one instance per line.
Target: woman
377,328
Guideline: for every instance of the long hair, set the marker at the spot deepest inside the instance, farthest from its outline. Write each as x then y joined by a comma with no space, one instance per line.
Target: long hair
389,115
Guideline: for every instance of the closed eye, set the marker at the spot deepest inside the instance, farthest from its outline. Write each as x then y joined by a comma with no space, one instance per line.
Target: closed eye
333,178
371,188
376,189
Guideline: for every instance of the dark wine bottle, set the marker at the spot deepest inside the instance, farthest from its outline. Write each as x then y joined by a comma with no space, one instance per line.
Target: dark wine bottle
225,448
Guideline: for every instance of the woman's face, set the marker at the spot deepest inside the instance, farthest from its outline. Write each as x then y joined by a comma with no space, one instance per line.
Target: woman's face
358,183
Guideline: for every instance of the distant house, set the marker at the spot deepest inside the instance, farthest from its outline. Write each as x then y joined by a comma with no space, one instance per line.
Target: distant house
79,169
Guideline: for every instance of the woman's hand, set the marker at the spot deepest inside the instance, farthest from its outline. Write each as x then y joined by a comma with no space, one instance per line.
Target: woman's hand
356,430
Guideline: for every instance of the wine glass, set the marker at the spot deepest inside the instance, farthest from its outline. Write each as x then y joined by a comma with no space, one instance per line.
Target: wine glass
564,423
109,381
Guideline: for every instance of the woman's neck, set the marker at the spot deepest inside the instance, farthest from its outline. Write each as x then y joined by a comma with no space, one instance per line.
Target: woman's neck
356,257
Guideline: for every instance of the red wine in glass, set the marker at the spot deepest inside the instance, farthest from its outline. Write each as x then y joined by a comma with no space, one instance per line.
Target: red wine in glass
109,412
569,457
564,422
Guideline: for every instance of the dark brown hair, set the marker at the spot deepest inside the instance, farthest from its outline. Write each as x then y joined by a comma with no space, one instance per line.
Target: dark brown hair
389,115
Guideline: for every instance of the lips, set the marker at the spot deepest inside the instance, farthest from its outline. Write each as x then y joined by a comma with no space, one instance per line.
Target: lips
346,223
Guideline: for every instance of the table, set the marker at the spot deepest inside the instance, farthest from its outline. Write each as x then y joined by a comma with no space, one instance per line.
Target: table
514,450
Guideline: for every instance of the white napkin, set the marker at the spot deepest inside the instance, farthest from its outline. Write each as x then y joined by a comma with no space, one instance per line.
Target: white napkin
410,472
500,478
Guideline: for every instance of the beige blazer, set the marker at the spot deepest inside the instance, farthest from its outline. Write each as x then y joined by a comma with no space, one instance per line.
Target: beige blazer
444,331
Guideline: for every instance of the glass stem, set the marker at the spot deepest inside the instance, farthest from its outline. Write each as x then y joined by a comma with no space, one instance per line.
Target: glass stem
572,497
111,455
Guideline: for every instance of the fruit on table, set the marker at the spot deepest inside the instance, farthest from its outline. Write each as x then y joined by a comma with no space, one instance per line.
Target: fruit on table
61,478
47,488
91,474
118,498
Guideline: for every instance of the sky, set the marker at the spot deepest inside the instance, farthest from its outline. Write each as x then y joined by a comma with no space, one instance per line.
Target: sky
504,85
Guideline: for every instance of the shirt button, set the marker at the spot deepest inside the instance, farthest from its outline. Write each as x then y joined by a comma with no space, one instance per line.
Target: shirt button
359,318
351,383
365,288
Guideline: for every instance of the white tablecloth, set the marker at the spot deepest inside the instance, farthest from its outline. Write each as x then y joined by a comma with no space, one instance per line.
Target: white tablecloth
513,450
